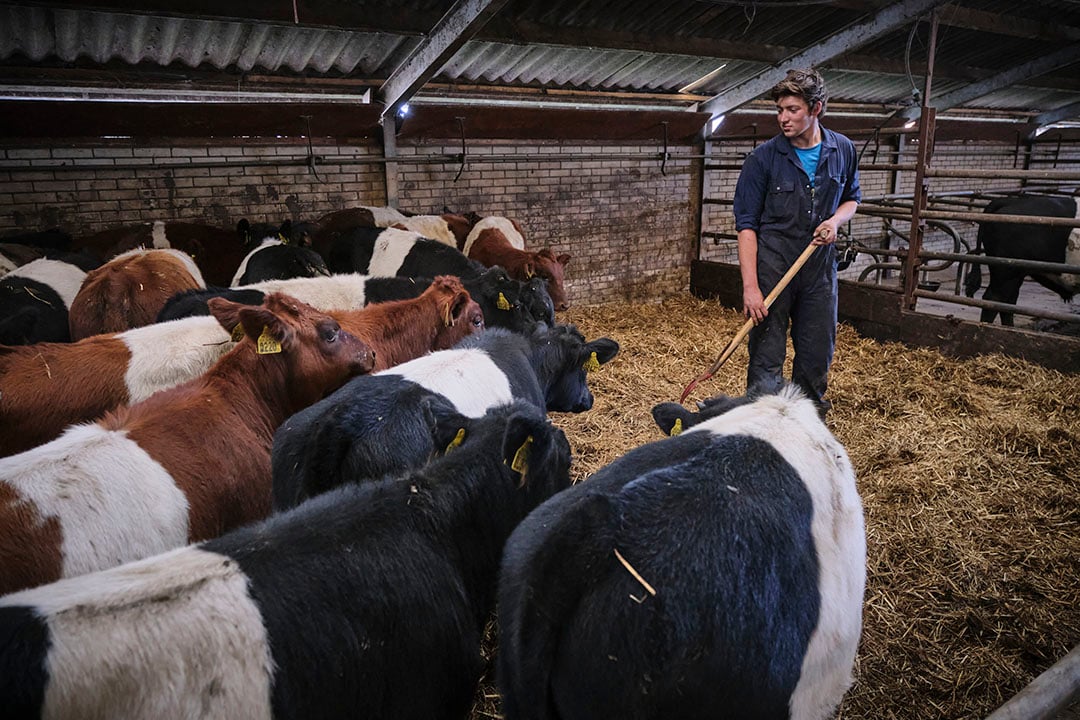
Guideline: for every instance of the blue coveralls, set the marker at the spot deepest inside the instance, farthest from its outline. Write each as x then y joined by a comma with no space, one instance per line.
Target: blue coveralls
774,198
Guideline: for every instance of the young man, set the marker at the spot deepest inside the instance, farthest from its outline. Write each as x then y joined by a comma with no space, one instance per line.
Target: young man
797,188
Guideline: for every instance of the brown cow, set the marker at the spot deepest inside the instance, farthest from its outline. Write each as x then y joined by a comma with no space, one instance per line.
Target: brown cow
130,290
217,251
186,464
498,241
401,330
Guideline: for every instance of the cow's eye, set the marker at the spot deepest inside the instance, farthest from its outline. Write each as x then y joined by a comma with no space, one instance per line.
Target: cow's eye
330,333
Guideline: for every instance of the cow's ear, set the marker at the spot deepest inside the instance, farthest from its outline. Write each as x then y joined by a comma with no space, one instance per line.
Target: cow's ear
284,232
520,446
227,313
672,418
243,228
456,307
255,321
604,348
449,428
564,259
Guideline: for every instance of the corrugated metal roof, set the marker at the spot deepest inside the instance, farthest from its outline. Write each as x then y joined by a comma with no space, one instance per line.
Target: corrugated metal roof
44,35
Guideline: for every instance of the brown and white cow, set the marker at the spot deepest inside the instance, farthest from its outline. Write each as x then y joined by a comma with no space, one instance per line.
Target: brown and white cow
217,251
402,330
185,465
46,387
498,241
49,386
130,290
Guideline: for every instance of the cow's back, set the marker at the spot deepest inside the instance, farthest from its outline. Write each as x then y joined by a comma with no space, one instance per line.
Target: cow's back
1045,243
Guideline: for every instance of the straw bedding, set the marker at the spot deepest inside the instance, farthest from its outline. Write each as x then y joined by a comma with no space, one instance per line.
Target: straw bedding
970,477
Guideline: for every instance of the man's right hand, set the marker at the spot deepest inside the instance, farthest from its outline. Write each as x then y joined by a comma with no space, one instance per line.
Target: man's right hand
754,305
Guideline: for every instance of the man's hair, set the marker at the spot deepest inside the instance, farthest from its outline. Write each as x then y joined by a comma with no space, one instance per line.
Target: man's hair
804,83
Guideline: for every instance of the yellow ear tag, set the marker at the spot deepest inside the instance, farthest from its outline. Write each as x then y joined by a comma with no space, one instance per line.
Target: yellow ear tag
238,333
520,463
447,321
592,363
529,274
282,238
458,439
676,428
266,344
502,303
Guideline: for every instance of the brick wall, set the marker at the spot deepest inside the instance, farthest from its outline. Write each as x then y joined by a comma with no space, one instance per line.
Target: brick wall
627,225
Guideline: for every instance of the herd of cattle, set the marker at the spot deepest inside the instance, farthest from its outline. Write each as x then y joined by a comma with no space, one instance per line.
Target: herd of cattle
301,491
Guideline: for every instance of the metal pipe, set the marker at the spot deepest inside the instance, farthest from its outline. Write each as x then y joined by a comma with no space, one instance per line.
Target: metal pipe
1003,173
998,306
445,159
892,212
1046,695
1036,265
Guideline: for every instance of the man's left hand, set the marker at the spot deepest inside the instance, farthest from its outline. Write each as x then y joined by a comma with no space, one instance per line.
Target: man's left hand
825,234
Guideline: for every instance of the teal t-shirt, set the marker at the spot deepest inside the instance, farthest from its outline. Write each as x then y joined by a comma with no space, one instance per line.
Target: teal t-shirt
809,159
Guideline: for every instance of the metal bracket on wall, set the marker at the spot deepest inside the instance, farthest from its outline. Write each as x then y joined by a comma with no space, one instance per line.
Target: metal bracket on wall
464,157
664,156
311,157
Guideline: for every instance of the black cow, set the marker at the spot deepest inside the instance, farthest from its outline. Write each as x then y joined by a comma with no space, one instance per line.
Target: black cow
35,299
366,429
719,573
1044,243
369,601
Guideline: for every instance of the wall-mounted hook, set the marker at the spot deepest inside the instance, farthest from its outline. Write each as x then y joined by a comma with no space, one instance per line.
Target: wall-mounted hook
464,160
311,158
664,157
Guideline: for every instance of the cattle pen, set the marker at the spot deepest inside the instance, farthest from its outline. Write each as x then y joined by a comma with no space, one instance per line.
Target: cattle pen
968,473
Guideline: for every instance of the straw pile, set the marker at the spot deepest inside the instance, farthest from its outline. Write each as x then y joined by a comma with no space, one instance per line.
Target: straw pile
970,477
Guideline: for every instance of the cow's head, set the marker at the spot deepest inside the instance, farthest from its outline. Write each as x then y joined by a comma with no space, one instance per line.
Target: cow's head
545,264
565,361
459,315
499,297
307,349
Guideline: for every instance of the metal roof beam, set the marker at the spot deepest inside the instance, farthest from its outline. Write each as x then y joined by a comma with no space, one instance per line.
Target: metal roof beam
889,18
1012,76
1008,25
1066,112
456,27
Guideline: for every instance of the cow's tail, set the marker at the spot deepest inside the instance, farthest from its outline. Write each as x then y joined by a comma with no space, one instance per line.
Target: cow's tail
974,271
538,595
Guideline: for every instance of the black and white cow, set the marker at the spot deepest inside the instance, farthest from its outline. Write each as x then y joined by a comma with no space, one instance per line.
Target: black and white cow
1043,243
719,573
504,301
386,252
277,253
368,601
367,429
35,299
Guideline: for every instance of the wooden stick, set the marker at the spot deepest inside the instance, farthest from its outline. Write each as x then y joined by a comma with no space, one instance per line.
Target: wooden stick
634,572
749,324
